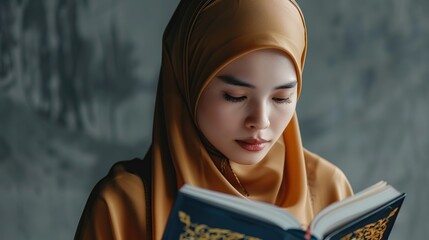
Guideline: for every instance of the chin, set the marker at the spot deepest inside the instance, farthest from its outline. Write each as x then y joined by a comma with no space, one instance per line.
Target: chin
248,160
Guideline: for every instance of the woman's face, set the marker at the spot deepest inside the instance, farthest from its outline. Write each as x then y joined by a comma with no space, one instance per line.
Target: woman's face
246,107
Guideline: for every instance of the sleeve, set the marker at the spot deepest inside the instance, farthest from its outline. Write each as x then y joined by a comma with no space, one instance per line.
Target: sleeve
116,209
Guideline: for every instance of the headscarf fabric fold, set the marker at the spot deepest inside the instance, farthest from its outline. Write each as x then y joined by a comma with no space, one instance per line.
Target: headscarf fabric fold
202,37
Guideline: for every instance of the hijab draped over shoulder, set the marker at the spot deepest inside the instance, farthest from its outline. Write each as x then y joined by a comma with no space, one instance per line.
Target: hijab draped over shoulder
202,37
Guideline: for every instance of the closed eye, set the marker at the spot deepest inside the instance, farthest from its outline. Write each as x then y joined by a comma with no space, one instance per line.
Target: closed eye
282,100
230,98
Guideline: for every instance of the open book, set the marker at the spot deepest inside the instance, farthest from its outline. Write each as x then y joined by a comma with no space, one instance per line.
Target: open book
203,214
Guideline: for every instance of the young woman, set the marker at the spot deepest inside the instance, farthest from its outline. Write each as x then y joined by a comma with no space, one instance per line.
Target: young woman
224,120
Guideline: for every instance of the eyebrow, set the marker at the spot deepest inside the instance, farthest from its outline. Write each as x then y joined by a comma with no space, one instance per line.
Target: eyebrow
237,82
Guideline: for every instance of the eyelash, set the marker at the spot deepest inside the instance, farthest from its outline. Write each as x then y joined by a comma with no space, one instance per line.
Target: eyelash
230,98
282,100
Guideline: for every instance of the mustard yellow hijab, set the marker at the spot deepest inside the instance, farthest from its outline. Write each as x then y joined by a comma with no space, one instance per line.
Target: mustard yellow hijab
201,38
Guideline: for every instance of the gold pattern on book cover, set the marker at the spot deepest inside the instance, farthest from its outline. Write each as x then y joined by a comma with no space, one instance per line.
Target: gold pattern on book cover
372,231
204,232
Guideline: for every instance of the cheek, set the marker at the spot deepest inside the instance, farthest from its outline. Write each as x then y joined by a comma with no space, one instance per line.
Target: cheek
215,117
281,121
218,118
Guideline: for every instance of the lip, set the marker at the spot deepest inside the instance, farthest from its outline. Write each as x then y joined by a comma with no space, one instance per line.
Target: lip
252,144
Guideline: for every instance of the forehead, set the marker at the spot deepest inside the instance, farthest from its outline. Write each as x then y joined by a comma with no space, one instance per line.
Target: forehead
266,63
264,57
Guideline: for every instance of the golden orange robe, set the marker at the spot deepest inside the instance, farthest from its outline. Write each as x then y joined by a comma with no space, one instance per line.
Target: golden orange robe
117,206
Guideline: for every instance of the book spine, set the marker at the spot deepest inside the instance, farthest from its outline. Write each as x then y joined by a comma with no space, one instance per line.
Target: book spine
307,235
298,234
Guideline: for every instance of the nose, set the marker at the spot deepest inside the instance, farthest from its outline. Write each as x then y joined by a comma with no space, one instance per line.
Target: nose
258,117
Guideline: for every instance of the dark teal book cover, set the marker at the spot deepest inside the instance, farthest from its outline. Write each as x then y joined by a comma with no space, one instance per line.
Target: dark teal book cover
194,219
375,225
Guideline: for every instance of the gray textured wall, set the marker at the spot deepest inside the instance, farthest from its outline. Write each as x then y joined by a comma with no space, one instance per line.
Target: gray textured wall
77,82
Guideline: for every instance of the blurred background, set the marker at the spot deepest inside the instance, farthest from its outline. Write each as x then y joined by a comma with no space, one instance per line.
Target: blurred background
77,88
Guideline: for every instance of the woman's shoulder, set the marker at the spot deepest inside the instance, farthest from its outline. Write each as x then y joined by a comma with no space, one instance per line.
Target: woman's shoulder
316,164
326,181
126,177
118,203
